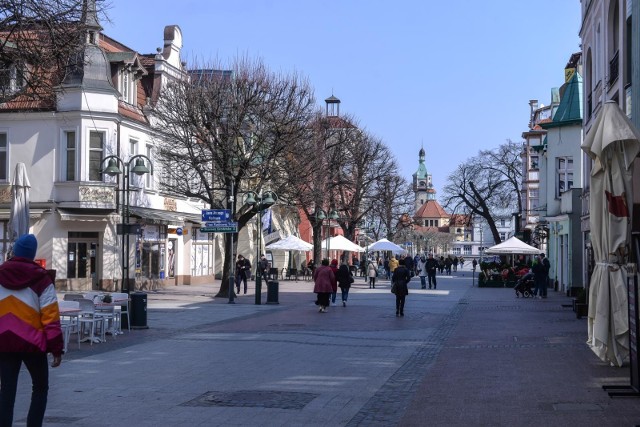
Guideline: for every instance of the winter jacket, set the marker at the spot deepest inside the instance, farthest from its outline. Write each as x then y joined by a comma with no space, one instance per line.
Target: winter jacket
29,314
344,276
401,278
393,264
325,280
372,271
422,267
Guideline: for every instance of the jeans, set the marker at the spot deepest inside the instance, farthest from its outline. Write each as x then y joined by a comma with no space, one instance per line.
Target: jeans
333,296
432,277
38,368
423,282
345,293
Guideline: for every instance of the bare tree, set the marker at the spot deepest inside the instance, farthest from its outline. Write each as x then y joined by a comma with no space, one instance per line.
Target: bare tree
225,130
39,42
486,185
392,196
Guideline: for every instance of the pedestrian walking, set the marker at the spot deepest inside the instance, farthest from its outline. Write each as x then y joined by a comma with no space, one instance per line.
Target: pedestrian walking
474,264
334,267
393,264
344,279
324,283
422,271
539,276
432,269
30,321
372,272
461,263
387,269
243,269
547,266
400,280
263,268
455,264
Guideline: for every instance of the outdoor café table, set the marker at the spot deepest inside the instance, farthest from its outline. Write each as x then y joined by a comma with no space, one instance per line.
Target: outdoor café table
72,314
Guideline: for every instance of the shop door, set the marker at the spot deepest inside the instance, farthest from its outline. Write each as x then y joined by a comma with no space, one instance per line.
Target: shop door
82,264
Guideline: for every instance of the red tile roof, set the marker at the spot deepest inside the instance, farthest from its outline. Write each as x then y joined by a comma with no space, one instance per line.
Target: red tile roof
431,209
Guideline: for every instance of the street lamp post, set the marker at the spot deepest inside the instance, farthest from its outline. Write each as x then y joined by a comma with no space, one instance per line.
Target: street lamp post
259,203
231,257
320,215
113,169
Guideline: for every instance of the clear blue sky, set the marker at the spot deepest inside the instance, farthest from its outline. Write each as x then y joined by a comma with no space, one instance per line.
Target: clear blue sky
454,76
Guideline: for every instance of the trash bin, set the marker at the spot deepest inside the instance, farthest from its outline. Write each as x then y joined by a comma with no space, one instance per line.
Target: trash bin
139,310
272,292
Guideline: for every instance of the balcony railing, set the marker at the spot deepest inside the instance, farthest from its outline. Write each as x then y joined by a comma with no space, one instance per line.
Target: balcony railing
613,69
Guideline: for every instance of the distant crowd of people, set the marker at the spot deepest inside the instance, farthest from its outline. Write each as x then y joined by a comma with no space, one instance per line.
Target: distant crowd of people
328,277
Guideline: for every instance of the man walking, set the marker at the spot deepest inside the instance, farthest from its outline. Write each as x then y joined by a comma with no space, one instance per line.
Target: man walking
547,266
243,269
432,268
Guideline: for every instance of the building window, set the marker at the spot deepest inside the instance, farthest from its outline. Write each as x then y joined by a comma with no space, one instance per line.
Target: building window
96,149
502,223
11,78
466,249
3,157
70,155
456,251
534,162
564,175
503,236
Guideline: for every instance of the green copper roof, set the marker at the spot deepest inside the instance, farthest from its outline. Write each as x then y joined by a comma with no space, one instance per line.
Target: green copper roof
570,108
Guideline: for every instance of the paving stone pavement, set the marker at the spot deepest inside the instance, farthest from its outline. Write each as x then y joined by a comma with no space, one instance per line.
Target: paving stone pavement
461,356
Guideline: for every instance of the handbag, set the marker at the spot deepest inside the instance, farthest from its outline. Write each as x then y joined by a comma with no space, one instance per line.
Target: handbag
351,279
393,288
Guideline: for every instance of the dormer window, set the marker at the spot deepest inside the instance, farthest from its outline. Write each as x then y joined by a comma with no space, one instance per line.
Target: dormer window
11,77
127,86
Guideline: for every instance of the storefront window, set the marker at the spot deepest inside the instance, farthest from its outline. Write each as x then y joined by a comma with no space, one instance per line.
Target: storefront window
201,253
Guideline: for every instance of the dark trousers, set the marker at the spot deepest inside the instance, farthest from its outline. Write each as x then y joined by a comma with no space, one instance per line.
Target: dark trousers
432,278
372,282
240,277
38,368
400,303
323,299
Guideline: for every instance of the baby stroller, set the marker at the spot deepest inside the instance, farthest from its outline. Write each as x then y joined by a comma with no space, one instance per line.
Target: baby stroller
523,286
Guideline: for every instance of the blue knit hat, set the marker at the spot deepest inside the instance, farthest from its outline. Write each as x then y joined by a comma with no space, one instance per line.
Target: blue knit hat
26,246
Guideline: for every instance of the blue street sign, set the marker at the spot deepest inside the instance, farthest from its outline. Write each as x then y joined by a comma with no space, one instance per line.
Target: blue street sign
216,215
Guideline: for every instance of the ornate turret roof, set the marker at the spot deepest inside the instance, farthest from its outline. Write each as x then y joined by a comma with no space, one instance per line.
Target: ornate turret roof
89,67
421,173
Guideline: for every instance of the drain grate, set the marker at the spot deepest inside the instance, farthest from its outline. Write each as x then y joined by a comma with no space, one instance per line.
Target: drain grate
59,420
254,399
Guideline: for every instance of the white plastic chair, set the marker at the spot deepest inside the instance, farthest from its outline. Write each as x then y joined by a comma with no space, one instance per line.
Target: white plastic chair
121,309
69,323
89,318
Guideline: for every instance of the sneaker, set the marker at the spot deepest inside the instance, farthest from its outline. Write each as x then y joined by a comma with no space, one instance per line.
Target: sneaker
324,310
320,310
344,303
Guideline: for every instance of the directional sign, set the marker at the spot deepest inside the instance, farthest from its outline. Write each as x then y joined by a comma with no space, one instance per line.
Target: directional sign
219,223
231,227
217,215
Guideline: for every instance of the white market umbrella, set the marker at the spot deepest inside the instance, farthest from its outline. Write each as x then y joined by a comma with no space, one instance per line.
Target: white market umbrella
19,214
341,243
290,243
385,245
613,143
513,246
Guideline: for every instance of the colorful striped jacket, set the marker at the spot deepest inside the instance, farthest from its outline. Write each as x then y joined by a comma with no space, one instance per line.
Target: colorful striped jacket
29,315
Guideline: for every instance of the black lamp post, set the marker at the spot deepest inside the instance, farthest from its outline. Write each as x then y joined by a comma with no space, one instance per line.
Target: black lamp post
259,203
113,168
320,215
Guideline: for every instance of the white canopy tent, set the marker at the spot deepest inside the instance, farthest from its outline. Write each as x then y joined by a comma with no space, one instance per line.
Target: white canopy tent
385,245
290,243
341,243
513,246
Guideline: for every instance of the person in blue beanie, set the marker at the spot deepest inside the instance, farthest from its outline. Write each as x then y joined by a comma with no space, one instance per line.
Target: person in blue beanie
30,321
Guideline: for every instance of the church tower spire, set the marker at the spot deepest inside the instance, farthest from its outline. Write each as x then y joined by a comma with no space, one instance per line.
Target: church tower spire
422,185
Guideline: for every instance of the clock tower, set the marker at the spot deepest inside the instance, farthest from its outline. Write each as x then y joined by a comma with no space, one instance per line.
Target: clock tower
422,186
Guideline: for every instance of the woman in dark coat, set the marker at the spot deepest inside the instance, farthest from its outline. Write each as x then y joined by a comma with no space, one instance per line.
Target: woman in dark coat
344,278
325,282
400,279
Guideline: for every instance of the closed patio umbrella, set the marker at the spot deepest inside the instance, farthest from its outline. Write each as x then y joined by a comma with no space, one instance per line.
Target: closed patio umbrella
613,143
19,214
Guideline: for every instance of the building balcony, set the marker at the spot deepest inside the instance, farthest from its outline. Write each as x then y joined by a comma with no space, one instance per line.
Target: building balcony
85,194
